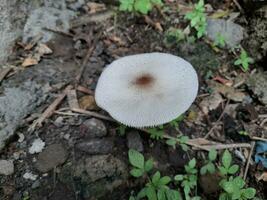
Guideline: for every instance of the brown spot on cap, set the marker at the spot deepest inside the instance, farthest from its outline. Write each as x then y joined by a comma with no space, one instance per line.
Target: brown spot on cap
144,80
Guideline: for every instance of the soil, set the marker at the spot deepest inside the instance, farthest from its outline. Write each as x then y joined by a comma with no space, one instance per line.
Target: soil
86,158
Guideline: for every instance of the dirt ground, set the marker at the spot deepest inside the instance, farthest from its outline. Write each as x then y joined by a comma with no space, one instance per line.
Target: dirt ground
74,155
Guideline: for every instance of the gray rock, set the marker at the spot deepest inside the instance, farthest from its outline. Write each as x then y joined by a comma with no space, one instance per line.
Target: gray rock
99,167
46,17
233,33
15,104
51,157
94,128
10,26
257,82
6,167
96,146
36,184
134,141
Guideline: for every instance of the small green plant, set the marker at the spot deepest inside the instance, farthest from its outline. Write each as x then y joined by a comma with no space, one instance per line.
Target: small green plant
245,133
219,40
189,180
209,166
141,6
244,60
156,133
180,140
174,35
121,130
157,186
197,18
141,166
227,168
175,123
234,189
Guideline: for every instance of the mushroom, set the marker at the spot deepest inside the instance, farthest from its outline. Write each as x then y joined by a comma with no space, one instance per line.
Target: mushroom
147,90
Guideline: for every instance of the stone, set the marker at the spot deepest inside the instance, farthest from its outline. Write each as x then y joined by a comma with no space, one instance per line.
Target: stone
232,32
96,146
46,17
15,104
93,128
30,176
51,157
37,146
257,83
6,167
134,141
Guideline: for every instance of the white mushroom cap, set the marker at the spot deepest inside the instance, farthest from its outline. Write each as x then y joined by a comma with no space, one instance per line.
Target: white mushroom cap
146,90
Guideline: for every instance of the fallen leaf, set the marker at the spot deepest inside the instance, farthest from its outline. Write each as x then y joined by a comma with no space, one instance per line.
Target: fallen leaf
263,177
87,103
211,102
219,14
30,61
43,49
223,80
95,7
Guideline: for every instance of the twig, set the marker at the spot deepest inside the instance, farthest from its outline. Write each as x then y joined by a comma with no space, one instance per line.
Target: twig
263,122
59,32
72,99
156,25
238,6
68,113
259,138
4,72
227,146
263,116
50,110
219,119
93,114
248,160
84,90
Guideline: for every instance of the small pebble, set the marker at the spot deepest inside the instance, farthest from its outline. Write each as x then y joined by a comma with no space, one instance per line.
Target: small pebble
30,176
37,146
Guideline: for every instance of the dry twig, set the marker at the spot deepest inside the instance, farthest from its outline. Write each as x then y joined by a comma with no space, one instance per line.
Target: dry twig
219,119
248,160
50,110
93,114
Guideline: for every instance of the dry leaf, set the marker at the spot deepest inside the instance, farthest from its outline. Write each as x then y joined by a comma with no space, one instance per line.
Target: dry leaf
263,177
88,103
43,49
95,7
211,102
30,61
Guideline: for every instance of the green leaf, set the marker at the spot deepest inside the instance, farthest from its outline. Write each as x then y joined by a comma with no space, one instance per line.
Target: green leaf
249,193
143,6
233,169
157,2
212,154
137,172
136,159
151,193
184,147
142,193
211,168
179,177
238,182
173,195
156,178
171,142
228,187
148,165
131,198
226,159
237,62
126,5
236,194
164,180
161,194
192,163
223,196
203,170
223,171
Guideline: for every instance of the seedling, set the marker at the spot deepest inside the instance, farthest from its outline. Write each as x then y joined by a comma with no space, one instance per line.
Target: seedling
141,166
227,168
189,180
219,40
197,18
157,186
174,35
175,123
180,140
141,6
156,133
209,166
234,189
122,129
244,60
